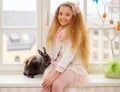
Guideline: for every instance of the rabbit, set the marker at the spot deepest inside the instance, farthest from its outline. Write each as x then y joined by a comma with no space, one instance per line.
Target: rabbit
37,65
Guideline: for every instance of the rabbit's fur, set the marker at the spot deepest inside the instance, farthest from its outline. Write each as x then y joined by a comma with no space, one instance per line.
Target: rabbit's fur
37,65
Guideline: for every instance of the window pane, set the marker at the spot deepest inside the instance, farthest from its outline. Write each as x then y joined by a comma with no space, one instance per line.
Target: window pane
107,38
19,13
18,45
105,45
110,7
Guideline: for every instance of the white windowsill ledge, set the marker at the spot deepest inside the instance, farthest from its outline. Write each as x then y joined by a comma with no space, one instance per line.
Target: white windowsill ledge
19,80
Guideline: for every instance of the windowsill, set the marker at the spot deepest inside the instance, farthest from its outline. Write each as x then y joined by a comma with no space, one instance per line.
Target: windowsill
19,80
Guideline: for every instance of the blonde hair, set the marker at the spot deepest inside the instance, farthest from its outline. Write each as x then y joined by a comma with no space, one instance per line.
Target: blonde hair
76,31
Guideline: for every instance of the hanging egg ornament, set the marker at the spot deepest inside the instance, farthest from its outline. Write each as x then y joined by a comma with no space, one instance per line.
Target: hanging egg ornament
118,26
104,15
111,21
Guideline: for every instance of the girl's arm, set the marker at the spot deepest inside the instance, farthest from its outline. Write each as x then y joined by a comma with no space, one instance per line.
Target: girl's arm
68,57
54,51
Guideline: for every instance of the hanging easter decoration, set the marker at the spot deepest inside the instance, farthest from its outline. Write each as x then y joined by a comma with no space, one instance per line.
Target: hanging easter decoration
96,1
118,23
109,8
111,20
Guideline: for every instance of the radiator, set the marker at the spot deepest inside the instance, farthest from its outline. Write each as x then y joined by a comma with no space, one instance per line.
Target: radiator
89,89
19,89
94,89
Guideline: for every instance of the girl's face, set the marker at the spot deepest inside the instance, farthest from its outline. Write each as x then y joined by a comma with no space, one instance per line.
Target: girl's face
65,15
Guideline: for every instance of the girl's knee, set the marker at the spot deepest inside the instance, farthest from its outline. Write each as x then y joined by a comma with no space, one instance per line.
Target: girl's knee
57,88
59,84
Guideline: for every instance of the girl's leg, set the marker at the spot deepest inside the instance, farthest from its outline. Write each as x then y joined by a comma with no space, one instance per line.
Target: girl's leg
59,85
63,81
45,90
49,69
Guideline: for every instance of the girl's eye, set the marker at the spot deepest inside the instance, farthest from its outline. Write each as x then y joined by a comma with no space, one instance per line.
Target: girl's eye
67,14
60,13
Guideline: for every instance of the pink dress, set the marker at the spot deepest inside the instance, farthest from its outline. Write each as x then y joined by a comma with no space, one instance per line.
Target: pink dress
74,73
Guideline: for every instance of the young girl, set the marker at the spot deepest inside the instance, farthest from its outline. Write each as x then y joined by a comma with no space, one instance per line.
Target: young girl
67,42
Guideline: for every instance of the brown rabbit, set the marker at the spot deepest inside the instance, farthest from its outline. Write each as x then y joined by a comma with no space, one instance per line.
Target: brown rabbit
37,65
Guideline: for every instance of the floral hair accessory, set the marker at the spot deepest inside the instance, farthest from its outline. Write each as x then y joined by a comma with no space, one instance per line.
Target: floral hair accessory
75,8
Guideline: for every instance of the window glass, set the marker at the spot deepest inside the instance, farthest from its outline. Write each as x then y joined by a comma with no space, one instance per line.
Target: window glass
102,19
19,13
19,39
18,45
109,7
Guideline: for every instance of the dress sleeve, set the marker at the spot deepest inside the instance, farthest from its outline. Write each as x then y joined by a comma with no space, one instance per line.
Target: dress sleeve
68,57
54,51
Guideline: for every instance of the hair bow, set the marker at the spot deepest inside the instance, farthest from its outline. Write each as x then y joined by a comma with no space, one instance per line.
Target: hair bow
76,8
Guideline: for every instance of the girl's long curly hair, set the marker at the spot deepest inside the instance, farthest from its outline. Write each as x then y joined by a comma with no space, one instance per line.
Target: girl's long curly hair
76,31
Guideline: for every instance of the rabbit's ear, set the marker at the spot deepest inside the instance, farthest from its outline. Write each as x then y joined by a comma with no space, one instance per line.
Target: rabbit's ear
44,50
40,52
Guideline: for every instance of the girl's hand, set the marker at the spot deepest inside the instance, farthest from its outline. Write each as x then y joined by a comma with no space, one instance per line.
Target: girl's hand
49,79
29,59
